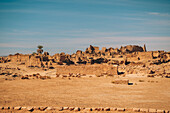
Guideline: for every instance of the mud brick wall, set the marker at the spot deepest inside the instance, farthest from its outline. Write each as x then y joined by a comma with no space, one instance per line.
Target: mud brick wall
26,59
88,69
34,61
145,55
18,58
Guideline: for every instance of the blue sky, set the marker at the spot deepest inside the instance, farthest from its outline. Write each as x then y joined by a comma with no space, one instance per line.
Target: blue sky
68,25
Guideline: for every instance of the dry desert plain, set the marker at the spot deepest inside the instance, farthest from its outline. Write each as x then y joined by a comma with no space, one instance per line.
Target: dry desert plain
129,77
85,91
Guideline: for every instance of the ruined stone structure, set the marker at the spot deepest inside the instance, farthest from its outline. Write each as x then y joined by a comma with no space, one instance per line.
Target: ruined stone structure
88,69
77,109
93,60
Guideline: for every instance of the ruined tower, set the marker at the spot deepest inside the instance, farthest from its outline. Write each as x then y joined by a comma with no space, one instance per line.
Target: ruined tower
144,48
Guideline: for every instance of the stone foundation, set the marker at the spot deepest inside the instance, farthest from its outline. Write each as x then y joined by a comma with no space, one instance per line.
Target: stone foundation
88,69
76,109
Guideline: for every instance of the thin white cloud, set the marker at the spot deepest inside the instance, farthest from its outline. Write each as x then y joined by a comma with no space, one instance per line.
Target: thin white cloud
67,33
154,13
159,14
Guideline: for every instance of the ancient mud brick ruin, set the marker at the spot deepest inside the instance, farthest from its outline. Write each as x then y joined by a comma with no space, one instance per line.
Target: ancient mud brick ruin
88,69
130,59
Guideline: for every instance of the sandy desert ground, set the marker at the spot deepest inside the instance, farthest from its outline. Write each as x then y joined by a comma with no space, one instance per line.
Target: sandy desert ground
85,92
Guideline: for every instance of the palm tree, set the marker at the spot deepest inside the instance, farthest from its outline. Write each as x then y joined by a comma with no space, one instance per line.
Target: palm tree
40,50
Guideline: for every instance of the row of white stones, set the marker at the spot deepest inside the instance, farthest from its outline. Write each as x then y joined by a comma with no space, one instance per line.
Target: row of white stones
85,109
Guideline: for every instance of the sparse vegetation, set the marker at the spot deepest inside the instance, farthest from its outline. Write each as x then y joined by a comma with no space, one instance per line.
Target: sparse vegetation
40,46
40,50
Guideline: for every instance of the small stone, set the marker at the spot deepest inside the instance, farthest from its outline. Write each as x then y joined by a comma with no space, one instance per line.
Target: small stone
11,108
113,109
36,108
136,109
42,108
101,109
160,111
30,108
88,109
49,108
71,108
23,108
120,109
95,109
76,109
81,108
6,108
166,111
107,109
17,108
152,110
144,110
128,109
58,108
65,108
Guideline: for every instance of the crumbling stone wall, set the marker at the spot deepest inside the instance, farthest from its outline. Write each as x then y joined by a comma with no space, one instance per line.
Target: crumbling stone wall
124,56
88,69
29,60
145,55
20,58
